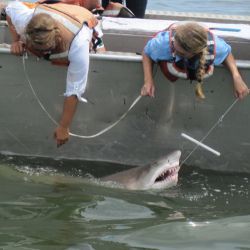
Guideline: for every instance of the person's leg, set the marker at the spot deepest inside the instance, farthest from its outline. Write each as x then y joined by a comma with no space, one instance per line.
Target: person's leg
138,7
106,2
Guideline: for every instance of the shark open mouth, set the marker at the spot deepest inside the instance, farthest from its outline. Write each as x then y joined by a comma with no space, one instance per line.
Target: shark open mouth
167,174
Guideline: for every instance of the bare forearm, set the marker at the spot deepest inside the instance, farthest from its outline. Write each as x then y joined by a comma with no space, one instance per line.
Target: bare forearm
147,68
231,65
69,108
14,34
148,87
61,133
17,46
240,88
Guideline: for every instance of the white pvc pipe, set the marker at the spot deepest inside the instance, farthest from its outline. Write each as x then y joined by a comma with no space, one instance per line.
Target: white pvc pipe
200,144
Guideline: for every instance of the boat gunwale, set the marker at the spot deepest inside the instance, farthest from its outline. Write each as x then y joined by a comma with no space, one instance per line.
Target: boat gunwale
124,56
202,15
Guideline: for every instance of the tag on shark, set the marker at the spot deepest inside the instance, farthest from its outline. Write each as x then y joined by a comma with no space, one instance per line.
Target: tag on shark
161,174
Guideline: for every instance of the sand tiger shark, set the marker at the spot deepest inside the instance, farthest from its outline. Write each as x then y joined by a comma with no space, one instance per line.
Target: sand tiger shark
159,175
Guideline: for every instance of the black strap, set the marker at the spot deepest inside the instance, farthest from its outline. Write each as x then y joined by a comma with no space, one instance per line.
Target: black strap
51,2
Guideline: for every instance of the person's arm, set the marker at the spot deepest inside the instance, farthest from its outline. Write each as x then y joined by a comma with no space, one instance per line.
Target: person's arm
18,15
224,56
157,49
61,133
77,76
240,88
148,87
17,46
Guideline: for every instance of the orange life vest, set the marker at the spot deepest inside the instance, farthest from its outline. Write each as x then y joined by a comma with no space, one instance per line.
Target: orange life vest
74,2
70,17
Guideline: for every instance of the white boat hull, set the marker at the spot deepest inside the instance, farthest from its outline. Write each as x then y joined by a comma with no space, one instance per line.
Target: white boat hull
32,96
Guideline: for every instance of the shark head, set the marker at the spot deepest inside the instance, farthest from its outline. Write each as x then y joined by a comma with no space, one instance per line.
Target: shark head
161,174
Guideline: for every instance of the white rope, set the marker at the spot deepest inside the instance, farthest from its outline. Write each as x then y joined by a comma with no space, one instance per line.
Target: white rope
34,92
112,125
56,123
211,129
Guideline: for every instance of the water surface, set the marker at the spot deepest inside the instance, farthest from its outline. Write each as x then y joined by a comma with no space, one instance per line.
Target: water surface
225,7
44,206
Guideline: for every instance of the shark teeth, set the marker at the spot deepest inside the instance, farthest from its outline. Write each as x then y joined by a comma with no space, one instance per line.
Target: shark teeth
164,176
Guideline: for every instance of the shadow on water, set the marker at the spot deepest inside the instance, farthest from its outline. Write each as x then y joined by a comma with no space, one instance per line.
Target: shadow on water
65,166
46,204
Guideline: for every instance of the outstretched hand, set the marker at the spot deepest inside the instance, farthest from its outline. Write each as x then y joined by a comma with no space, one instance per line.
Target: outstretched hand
61,135
17,48
148,90
240,88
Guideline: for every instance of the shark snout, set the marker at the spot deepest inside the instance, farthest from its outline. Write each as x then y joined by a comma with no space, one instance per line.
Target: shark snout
176,155
166,171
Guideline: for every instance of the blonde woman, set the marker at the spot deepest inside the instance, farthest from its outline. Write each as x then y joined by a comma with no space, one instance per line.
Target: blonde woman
41,31
189,51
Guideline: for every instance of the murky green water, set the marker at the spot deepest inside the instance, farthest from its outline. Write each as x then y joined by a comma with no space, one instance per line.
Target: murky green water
41,208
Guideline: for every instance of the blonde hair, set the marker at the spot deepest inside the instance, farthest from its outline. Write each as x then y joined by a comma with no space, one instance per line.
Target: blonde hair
42,30
192,37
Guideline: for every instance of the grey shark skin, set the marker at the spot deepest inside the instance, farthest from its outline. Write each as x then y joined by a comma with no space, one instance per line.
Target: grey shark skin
162,174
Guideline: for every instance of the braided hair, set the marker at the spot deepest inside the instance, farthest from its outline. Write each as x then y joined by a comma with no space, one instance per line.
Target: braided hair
192,37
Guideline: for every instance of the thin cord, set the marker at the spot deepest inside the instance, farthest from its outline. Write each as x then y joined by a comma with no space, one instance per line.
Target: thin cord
34,92
211,129
112,125
55,122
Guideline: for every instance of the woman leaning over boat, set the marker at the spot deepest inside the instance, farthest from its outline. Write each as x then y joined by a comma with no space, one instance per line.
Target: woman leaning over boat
189,51
64,40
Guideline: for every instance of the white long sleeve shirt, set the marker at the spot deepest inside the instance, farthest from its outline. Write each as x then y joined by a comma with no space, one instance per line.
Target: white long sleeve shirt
78,56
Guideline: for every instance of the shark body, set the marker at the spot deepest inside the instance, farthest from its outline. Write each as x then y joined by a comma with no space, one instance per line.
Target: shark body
159,175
